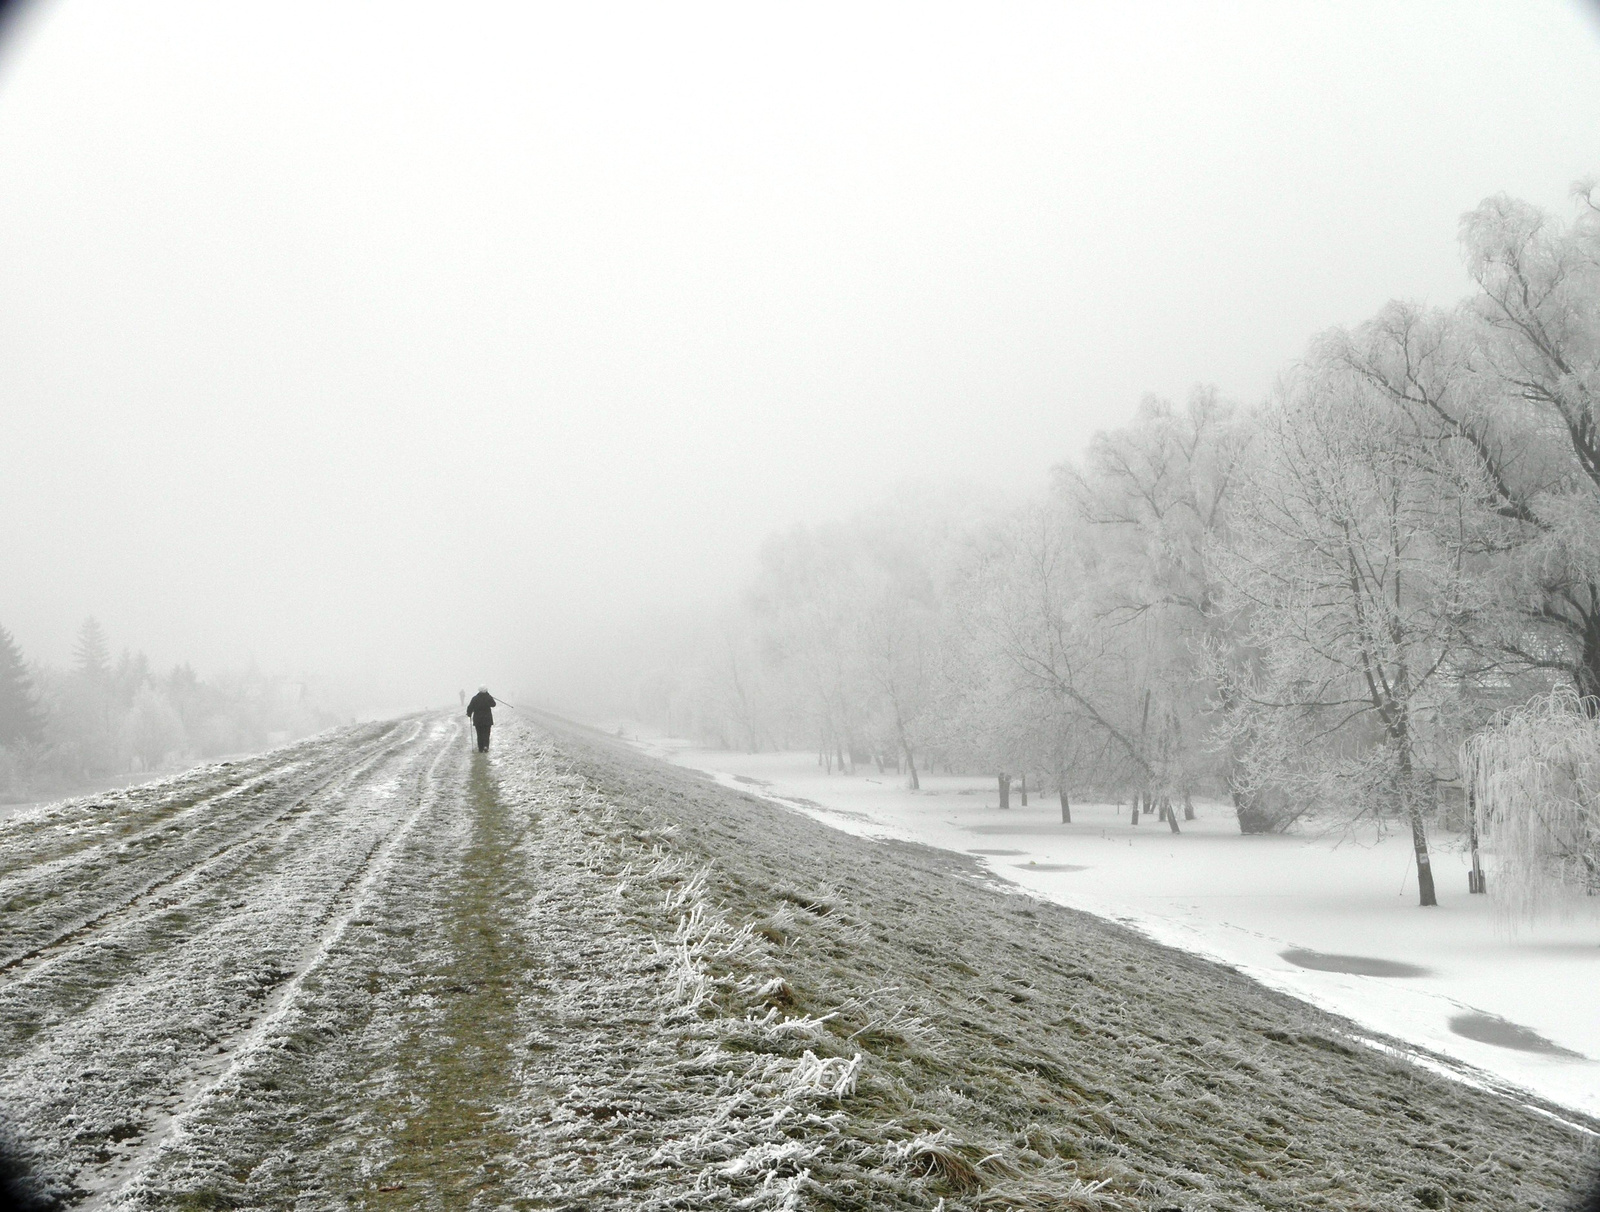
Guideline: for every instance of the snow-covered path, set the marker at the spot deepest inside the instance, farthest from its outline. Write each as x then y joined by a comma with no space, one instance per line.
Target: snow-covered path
377,970
154,936
1269,906
340,973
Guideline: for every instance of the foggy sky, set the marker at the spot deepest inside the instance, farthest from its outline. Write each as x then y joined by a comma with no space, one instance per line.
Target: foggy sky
420,354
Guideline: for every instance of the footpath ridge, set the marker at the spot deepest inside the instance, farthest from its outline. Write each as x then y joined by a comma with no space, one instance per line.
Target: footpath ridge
375,970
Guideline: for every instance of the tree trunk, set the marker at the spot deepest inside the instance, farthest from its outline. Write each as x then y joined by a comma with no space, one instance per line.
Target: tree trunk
1172,814
1419,843
1408,796
1066,806
905,748
1188,806
1475,878
1005,790
1144,726
1253,818
1024,788
1587,675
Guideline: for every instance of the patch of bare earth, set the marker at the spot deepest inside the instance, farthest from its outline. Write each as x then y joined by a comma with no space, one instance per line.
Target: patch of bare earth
568,977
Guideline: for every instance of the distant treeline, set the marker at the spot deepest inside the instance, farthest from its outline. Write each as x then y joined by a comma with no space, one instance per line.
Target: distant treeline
102,718
1304,606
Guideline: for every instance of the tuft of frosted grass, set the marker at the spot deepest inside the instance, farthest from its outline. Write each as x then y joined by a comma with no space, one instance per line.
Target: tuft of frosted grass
894,1022
939,1155
781,1194
827,1076
688,893
801,1026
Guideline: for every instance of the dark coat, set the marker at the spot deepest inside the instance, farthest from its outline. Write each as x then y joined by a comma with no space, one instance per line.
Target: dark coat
481,709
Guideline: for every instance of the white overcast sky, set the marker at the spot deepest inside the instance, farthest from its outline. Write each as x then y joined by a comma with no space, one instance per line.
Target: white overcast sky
424,345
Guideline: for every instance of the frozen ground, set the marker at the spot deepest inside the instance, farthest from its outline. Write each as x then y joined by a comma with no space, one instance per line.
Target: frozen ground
1259,904
375,970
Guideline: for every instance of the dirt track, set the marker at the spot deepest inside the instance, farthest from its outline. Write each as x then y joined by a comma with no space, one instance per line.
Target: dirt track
375,971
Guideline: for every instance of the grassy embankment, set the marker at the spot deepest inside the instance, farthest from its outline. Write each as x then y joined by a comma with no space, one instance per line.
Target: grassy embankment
588,980
1017,1054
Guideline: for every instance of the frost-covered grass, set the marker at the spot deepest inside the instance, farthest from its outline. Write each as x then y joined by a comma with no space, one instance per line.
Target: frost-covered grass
1255,902
1050,1048
566,976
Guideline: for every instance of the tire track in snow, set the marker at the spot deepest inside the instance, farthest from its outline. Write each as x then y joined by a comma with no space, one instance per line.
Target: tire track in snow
77,932
529,1014
99,1077
355,892
72,831
126,938
88,851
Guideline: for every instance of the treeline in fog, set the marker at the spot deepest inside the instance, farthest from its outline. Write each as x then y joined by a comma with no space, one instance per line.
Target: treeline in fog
103,717
1301,607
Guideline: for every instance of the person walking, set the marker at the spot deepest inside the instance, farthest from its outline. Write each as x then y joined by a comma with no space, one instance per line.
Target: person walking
481,712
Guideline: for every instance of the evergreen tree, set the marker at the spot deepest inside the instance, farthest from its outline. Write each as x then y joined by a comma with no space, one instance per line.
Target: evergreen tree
19,712
92,652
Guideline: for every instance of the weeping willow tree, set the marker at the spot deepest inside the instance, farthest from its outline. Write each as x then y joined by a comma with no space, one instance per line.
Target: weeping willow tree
1535,780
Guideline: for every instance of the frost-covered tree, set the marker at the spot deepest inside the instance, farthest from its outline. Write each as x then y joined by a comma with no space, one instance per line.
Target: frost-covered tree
1156,495
1037,675
1531,529
897,635
1535,776
1348,572
1536,424
846,620
733,685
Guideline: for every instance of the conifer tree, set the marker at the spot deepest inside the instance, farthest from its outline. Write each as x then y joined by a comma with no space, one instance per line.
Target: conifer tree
92,651
19,711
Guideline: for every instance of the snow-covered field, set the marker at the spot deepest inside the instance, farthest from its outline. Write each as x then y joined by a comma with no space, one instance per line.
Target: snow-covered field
1247,901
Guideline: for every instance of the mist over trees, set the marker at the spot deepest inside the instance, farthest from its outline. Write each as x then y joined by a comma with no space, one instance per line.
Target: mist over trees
102,717
1304,607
